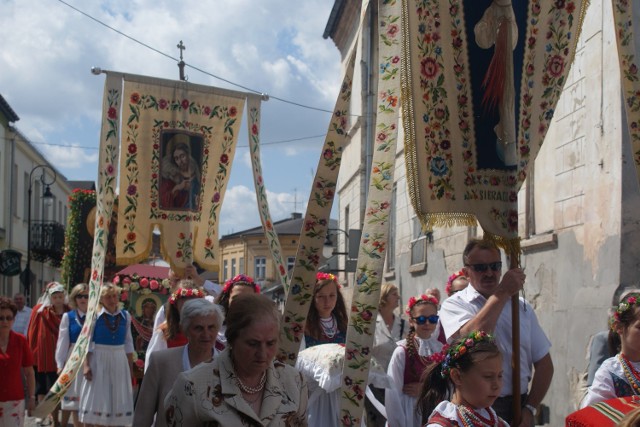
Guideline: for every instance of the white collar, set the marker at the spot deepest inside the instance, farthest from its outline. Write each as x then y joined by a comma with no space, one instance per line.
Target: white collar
118,311
186,364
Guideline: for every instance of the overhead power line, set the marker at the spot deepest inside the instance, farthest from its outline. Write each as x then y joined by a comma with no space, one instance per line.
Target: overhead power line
133,39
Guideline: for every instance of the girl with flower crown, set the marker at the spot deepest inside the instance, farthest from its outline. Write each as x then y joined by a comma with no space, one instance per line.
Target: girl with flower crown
619,376
409,360
327,320
168,334
237,285
459,390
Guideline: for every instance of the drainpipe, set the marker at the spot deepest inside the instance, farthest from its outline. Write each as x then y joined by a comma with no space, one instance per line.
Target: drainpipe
369,113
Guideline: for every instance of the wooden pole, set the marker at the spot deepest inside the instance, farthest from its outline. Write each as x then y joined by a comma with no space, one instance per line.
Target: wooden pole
514,257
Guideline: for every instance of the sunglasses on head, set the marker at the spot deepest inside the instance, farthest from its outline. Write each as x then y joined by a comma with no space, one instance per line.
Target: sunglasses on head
481,268
421,320
82,296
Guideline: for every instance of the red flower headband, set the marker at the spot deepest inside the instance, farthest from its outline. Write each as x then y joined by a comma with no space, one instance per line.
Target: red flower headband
185,293
429,299
240,278
628,303
328,276
450,280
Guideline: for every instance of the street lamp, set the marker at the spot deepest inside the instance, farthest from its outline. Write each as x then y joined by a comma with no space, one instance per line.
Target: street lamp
47,197
328,249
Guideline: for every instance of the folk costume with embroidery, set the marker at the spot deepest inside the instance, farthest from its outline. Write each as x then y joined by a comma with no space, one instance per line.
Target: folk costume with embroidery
108,398
405,368
449,414
616,377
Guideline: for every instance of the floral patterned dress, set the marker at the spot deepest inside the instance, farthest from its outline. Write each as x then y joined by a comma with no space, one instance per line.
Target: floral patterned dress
208,395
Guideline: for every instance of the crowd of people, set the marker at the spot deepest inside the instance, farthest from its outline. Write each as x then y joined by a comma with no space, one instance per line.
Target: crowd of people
211,359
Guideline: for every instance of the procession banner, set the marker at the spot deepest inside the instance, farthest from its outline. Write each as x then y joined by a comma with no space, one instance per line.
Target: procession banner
375,232
253,124
628,39
480,85
316,220
106,193
178,144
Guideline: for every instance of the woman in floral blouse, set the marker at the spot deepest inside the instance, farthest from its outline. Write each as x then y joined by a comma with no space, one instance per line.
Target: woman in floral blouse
245,385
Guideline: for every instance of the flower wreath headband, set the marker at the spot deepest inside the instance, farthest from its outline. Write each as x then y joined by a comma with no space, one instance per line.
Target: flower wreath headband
240,278
327,276
455,352
185,293
628,303
450,280
429,299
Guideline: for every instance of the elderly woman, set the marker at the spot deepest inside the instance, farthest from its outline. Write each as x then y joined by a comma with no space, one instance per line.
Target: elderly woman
14,355
44,326
70,327
201,321
106,398
244,385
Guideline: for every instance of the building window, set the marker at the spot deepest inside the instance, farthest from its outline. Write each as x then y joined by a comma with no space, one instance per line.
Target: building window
418,248
291,262
60,220
241,265
391,244
260,271
225,265
346,227
14,192
233,267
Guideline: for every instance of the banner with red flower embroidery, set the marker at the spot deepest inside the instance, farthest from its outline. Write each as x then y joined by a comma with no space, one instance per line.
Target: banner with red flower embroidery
628,44
178,143
481,82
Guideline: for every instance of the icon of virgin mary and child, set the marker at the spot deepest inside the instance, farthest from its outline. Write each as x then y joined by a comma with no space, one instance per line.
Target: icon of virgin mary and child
180,175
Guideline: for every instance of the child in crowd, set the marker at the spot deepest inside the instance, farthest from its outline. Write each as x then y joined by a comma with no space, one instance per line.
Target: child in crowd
619,376
472,371
410,359
327,320
233,287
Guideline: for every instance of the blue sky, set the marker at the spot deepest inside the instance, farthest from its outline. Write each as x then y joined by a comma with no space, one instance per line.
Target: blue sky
275,47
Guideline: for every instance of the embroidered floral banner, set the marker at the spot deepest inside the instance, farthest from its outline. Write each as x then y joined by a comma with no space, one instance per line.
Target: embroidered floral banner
261,192
178,143
375,231
105,197
628,39
316,220
481,82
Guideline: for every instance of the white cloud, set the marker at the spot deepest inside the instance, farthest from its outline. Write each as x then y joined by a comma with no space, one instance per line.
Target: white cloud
240,208
69,157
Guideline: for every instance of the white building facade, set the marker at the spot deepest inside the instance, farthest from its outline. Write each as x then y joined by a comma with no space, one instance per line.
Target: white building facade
578,213
18,159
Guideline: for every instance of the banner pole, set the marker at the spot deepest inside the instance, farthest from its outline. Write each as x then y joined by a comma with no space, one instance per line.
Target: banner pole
515,342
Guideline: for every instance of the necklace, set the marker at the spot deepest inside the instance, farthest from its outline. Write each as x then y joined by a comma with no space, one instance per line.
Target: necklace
471,418
633,377
113,327
252,390
329,326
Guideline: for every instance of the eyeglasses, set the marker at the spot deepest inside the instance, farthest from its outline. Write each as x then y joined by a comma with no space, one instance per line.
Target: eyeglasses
481,268
421,320
6,318
82,296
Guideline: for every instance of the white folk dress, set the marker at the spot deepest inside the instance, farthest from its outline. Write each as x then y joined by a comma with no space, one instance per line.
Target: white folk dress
449,411
609,382
108,398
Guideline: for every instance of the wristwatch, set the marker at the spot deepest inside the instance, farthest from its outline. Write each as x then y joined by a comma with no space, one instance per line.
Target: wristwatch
531,409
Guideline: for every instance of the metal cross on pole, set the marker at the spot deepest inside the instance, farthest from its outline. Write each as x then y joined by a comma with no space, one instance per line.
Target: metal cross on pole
182,47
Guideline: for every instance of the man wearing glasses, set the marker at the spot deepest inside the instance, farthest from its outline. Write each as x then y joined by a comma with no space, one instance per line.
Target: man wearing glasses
486,305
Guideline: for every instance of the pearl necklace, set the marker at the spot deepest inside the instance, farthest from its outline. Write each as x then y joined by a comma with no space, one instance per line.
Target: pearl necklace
471,418
633,377
329,326
252,390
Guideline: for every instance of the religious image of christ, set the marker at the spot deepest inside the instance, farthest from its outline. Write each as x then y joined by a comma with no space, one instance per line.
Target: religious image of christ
180,171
